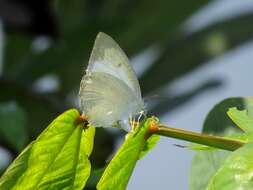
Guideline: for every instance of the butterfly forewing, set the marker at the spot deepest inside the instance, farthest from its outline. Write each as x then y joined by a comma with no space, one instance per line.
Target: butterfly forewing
108,57
109,91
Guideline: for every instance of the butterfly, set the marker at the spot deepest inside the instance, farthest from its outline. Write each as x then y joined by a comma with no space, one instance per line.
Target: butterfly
109,91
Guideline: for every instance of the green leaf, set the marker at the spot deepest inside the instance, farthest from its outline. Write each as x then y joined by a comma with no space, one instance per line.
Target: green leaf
57,159
236,172
89,135
149,145
207,163
12,128
218,123
119,170
241,119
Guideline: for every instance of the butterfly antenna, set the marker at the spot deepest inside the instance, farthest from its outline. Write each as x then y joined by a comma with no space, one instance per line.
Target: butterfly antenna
136,123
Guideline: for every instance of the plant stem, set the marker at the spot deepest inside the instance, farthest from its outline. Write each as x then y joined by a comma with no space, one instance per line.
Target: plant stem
209,140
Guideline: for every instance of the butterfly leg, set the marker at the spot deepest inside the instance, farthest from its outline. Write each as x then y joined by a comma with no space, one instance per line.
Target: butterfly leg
142,113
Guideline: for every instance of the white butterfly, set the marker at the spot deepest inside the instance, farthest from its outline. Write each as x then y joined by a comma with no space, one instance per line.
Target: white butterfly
109,91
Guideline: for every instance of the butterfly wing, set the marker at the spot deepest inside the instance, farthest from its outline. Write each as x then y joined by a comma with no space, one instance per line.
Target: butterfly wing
109,58
105,99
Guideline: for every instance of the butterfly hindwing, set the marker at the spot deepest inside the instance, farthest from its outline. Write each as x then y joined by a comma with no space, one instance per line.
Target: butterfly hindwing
105,99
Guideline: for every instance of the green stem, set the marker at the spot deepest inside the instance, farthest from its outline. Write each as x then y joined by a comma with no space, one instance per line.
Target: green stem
209,140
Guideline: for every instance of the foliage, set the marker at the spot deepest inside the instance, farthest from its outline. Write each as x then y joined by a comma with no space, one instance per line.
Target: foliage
120,168
57,159
66,49
66,31
219,123
236,171
47,164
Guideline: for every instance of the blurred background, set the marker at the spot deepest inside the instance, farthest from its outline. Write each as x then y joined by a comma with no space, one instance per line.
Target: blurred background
188,55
